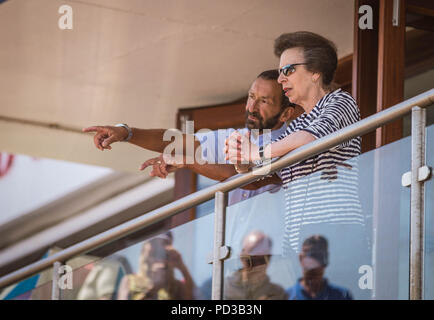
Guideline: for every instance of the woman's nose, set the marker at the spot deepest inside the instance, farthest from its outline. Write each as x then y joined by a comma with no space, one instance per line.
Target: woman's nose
281,78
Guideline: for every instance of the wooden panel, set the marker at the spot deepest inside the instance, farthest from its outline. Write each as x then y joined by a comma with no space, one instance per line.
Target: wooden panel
364,77
391,63
230,115
185,184
419,57
420,22
419,52
390,90
423,7
343,76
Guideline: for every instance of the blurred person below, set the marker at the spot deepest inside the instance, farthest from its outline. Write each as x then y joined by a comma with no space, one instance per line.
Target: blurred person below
155,279
251,282
313,286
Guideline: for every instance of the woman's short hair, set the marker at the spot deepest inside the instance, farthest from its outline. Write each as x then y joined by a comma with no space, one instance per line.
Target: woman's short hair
319,53
274,75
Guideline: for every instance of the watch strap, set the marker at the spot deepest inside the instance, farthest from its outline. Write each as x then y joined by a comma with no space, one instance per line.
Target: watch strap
130,132
261,154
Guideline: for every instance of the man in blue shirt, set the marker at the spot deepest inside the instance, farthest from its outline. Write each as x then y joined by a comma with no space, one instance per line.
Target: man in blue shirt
266,108
313,286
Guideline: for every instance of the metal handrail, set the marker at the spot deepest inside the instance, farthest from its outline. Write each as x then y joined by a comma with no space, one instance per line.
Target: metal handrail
357,129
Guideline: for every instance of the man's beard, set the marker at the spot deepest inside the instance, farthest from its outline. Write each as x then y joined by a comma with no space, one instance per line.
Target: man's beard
261,124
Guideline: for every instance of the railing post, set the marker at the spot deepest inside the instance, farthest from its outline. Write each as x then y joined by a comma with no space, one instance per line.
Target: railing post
219,242
418,119
375,222
55,290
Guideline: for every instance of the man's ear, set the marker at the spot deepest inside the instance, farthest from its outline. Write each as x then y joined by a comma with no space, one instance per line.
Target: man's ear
286,114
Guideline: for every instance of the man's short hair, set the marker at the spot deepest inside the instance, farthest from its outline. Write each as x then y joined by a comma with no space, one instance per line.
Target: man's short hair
319,53
274,75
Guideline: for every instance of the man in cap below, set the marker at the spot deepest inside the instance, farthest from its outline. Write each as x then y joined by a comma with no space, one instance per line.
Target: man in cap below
313,286
251,282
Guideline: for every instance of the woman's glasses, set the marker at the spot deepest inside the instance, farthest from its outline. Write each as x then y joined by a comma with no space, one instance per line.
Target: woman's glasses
289,68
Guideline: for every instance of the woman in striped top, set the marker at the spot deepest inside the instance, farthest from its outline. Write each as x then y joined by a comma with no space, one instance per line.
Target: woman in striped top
327,201
307,66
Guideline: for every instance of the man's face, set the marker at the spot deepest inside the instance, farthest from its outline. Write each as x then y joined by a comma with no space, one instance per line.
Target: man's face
312,268
263,106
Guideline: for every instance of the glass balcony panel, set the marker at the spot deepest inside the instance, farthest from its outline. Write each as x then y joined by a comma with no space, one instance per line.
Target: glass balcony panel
42,292
368,257
156,269
363,213
429,219
37,287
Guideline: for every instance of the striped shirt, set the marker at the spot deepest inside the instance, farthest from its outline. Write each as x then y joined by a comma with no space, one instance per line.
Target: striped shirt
324,188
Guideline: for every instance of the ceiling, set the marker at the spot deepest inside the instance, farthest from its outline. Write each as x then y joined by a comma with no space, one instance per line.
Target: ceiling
137,62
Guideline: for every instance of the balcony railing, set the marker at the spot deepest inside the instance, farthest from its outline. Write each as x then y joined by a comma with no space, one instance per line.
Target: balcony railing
376,217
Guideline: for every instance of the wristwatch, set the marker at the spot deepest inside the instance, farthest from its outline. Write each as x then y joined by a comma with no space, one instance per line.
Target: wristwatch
241,170
130,132
261,154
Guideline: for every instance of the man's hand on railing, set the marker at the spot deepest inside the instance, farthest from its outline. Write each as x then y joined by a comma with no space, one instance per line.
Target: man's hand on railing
160,168
106,135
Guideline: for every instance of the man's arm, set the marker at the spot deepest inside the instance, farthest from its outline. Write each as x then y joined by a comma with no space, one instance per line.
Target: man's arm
239,149
274,179
218,172
150,139
160,168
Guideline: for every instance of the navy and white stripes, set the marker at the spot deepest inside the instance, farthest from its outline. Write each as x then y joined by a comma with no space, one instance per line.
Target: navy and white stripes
324,188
